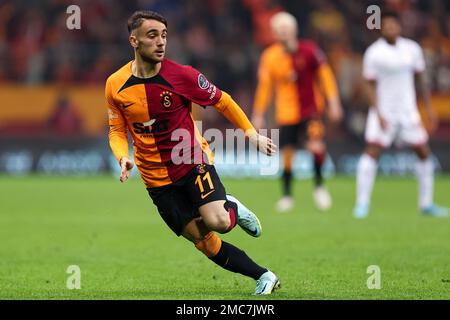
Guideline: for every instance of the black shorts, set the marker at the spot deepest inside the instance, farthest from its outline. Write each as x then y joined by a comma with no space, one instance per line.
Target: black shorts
178,202
311,129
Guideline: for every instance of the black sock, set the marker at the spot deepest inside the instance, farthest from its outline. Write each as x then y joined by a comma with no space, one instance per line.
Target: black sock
287,183
233,259
318,163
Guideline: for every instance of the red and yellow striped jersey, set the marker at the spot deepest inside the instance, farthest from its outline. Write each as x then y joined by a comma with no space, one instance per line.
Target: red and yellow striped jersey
157,113
152,109
298,79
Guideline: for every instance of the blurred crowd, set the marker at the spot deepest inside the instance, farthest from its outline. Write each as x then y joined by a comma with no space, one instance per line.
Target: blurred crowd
222,38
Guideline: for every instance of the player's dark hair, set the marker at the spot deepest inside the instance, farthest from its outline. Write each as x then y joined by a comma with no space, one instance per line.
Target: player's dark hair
390,14
136,19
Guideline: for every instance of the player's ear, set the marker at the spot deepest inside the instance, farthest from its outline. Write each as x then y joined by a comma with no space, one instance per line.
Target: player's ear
133,41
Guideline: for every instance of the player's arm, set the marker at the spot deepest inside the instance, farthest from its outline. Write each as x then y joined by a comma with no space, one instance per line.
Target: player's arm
231,110
263,93
118,136
370,89
424,93
196,88
118,142
370,74
328,83
422,86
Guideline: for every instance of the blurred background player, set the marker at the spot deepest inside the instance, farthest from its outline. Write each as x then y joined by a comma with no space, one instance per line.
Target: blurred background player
392,66
301,77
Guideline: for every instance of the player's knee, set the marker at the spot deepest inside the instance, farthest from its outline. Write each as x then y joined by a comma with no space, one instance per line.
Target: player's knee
423,156
210,245
316,146
223,222
422,152
373,151
218,221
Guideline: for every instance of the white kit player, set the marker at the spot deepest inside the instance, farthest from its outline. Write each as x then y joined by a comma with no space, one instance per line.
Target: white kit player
392,66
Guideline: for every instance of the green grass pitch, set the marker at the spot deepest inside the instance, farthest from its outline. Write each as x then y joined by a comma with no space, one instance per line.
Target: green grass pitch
114,234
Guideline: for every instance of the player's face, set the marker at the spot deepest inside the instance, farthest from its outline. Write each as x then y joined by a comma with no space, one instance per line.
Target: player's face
390,28
150,40
284,33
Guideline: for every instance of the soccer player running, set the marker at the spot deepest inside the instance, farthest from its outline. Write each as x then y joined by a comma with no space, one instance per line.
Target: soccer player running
151,98
392,66
301,77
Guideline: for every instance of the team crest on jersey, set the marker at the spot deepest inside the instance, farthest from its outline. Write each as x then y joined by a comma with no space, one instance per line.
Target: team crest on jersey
201,169
166,99
203,83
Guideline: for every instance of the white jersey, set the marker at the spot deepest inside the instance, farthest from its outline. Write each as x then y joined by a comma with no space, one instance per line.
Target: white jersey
393,68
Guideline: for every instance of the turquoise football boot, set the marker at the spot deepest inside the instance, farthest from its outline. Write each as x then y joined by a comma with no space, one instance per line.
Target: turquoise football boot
435,211
246,219
267,283
361,211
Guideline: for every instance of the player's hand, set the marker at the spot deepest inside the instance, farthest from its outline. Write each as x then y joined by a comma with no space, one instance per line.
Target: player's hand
263,144
335,113
433,121
258,121
126,165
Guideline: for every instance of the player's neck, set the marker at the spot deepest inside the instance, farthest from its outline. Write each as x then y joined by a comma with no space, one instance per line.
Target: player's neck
291,45
391,41
144,69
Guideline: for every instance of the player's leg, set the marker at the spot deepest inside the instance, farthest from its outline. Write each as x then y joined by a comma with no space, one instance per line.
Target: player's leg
223,215
228,256
220,212
425,175
182,216
286,202
417,137
288,159
219,216
366,170
315,143
288,143
230,211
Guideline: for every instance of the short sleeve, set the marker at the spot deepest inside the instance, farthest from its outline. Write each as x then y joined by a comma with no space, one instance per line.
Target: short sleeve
369,66
198,89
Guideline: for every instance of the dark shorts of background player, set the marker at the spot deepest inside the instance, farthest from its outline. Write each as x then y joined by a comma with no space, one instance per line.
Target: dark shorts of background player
296,134
178,202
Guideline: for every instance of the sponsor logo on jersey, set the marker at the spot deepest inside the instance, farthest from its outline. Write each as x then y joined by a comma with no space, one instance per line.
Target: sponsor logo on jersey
152,126
213,91
203,196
